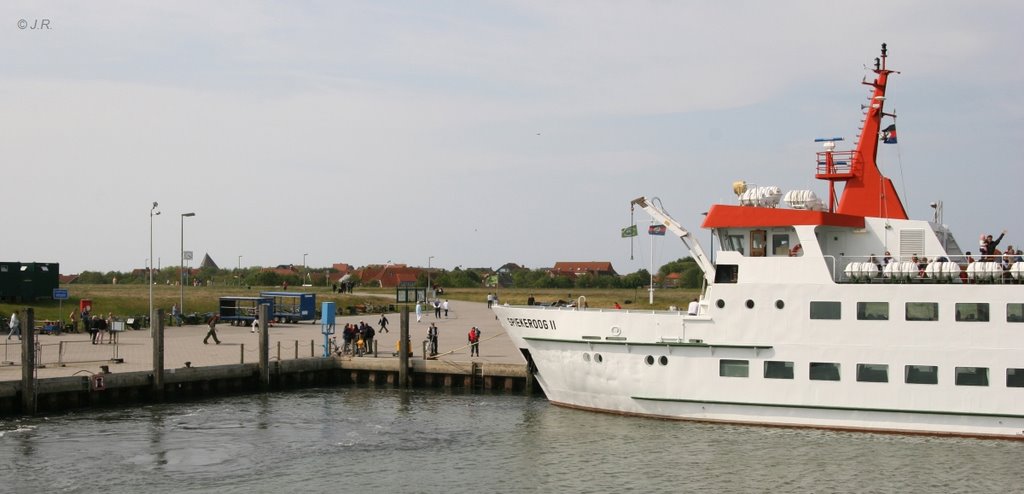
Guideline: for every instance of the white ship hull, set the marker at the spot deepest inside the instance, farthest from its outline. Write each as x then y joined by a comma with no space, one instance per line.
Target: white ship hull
598,359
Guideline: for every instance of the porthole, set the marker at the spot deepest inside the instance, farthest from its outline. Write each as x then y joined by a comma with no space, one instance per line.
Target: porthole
663,360
586,357
720,304
649,360
598,358
779,304
616,331
750,304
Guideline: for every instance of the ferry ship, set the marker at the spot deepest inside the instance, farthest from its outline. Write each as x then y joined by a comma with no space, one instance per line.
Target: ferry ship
837,313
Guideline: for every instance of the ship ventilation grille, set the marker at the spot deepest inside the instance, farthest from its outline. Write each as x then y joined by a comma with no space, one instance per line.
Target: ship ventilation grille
911,242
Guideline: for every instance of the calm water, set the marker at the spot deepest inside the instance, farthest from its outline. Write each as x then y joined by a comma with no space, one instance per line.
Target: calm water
373,440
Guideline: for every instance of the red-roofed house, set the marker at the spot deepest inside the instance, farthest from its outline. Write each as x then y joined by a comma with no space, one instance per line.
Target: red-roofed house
596,268
389,276
342,270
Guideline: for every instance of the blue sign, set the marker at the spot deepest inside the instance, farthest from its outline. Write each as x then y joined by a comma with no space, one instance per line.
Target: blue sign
60,293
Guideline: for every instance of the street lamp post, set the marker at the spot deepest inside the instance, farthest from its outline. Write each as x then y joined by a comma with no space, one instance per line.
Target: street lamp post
181,273
152,212
305,272
429,289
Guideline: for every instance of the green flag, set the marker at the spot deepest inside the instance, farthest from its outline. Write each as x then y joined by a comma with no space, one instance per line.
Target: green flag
629,231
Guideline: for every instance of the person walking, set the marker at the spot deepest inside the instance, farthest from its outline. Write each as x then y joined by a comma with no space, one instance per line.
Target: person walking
383,322
255,326
176,314
419,311
437,309
15,326
474,341
213,330
445,307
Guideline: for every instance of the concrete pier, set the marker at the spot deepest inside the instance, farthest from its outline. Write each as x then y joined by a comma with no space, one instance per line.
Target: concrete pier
79,374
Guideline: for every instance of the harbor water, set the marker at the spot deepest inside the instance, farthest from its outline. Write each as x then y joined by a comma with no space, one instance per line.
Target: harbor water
385,440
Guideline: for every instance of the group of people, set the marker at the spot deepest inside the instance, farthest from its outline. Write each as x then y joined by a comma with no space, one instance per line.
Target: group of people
358,338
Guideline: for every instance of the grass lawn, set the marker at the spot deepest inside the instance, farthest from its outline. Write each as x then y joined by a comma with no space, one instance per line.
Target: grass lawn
133,300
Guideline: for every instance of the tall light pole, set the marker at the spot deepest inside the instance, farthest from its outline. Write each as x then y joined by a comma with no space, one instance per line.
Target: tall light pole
239,276
181,272
305,272
152,212
429,290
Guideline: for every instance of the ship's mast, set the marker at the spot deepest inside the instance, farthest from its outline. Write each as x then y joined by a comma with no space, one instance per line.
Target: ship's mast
867,191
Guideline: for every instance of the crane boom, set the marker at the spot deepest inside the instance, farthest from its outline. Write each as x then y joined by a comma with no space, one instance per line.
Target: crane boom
688,239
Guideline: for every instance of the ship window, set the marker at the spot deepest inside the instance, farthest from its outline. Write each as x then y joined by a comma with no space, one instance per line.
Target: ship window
824,371
873,373
1015,378
779,304
1014,312
780,245
778,370
972,312
649,360
720,303
733,368
921,374
922,311
598,358
663,360
750,304
972,376
734,242
826,310
727,273
872,311
586,357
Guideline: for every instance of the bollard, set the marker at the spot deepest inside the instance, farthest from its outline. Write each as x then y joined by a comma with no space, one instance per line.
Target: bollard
28,362
157,333
264,346
296,349
403,349
242,358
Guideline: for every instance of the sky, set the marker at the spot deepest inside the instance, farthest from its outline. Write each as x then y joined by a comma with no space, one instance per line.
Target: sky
473,134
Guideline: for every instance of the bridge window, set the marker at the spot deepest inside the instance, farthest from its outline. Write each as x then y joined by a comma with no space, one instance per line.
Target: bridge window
872,311
780,244
733,242
922,311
